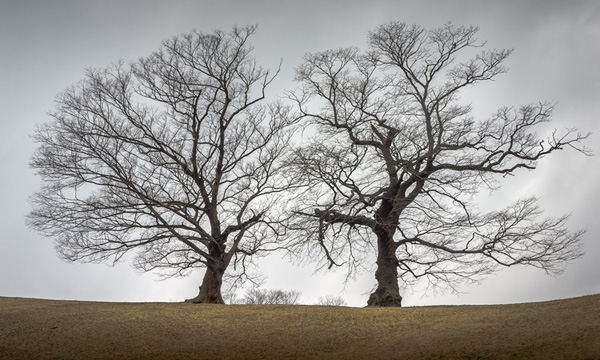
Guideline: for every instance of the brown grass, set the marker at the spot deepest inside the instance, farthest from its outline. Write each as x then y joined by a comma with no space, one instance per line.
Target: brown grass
46,329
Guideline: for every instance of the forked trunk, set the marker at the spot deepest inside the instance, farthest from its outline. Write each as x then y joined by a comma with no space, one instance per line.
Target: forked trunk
387,292
210,290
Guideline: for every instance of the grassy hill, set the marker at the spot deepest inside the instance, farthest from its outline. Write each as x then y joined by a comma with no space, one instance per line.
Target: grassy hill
47,329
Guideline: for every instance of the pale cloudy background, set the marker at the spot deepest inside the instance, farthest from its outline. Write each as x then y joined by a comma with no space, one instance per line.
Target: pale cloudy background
45,46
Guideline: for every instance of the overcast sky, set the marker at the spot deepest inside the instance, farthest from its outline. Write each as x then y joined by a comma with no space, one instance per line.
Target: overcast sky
45,46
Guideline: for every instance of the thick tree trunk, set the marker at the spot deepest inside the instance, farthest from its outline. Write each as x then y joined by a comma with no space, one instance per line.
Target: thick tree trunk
387,292
210,290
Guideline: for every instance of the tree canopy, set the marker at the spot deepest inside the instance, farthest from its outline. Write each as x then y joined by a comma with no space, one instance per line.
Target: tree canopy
180,158
397,159
177,156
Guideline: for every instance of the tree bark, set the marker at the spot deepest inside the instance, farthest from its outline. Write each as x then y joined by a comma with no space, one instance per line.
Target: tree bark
210,290
387,292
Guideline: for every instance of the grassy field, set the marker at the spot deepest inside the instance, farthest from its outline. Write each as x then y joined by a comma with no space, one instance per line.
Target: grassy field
47,329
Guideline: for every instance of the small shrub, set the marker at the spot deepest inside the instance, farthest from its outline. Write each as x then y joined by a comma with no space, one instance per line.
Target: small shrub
332,300
257,296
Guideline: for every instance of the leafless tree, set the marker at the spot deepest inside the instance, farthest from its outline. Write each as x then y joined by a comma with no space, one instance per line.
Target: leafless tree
397,159
176,156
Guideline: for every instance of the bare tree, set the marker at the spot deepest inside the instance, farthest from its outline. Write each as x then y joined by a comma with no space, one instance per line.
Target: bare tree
175,156
397,159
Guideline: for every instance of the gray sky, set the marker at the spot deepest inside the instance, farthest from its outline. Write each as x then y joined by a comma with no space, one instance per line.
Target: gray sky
45,46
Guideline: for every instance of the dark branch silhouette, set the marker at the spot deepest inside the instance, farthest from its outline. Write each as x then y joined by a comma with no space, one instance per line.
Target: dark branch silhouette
176,156
397,159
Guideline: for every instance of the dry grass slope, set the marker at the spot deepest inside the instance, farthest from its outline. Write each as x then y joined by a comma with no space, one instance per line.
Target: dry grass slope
45,329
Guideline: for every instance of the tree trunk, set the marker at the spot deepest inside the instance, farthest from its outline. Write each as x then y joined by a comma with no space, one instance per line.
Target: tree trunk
210,290
387,292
